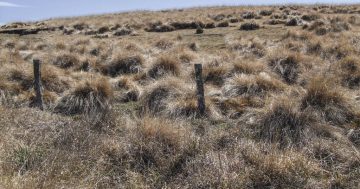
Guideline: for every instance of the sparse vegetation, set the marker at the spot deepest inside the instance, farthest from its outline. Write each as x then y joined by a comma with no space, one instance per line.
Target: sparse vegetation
120,103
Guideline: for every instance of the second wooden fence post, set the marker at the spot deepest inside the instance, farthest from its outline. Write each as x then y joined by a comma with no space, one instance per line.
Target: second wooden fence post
37,85
200,89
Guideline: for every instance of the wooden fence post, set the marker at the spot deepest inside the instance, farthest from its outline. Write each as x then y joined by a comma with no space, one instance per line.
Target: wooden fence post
37,85
200,89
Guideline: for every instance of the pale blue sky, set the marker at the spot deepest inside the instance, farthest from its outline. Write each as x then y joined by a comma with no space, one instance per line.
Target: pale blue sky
31,10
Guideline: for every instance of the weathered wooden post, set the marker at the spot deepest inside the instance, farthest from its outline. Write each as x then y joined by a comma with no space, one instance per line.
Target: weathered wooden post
200,89
37,85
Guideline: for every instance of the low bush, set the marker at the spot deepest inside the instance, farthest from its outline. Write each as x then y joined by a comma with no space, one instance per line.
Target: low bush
187,25
274,22
265,12
292,22
123,32
249,15
103,30
199,30
310,17
249,26
223,24
80,26
159,27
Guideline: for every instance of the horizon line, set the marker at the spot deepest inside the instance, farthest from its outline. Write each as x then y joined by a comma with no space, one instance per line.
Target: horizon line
180,8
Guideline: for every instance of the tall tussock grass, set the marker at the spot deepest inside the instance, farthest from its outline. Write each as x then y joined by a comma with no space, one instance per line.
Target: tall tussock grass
154,98
329,103
164,65
120,65
349,71
252,85
91,98
288,67
284,125
66,60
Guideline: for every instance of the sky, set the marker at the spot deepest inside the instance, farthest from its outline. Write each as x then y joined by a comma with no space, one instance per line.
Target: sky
34,10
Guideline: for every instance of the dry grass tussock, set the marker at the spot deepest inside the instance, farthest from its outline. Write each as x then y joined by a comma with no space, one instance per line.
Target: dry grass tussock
327,101
92,98
252,85
287,65
250,46
284,125
119,91
122,64
248,66
349,69
164,65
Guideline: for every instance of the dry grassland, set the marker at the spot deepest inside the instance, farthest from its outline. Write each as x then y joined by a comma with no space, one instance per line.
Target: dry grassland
281,91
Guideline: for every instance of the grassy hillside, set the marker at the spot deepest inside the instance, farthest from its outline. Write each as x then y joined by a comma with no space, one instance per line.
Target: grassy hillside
281,92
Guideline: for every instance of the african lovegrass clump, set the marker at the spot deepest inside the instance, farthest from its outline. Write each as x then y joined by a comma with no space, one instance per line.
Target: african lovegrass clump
283,124
327,102
91,98
164,65
119,65
288,67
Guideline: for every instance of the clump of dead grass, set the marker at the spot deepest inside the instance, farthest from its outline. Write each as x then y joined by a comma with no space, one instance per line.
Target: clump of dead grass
235,107
154,98
51,78
91,98
252,46
286,65
155,146
335,25
125,90
249,26
251,85
173,98
248,66
215,74
164,44
284,125
186,106
325,100
349,70
122,64
66,60
164,65
159,27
